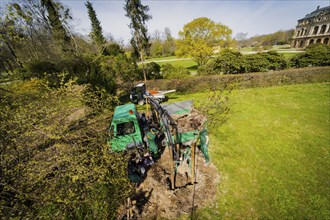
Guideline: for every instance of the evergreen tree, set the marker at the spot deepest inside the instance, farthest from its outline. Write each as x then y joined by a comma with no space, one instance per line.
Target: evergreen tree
56,24
138,15
96,33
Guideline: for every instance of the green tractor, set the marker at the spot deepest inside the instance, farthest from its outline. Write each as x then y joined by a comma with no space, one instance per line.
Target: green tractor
144,138
125,132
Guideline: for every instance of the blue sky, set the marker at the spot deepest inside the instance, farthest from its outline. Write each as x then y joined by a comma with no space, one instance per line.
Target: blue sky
253,17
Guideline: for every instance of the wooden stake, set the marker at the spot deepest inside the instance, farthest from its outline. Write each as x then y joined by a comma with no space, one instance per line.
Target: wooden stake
193,150
172,179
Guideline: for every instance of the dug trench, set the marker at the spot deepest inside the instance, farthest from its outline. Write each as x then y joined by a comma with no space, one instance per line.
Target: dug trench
154,199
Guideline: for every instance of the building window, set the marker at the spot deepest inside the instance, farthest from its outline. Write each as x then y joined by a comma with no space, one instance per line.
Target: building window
326,41
323,29
318,41
316,29
305,32
311,41
298,33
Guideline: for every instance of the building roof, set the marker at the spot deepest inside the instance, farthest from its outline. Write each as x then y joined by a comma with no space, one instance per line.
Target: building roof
124,112
317,12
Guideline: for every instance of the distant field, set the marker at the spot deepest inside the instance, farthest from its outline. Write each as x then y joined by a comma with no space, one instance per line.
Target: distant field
272,154
190,64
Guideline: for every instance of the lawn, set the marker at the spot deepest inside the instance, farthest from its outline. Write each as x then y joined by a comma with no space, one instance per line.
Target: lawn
273,154
188,63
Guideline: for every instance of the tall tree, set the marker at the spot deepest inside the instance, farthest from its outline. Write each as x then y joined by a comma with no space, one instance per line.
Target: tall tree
200,38
169,43
138,14
240,38
156,48
96,33
54,18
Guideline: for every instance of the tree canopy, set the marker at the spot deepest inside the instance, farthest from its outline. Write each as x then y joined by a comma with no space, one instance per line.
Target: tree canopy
201,37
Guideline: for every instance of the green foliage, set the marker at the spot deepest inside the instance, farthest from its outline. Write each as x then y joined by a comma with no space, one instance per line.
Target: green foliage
138,15
276,60
200,37
153,71
257,63
228,61
171,72
96,33
239,81
316,55
55,21
231,62
121,68
156,48
162,46
38,68
267,40
113,49
99,99
54,161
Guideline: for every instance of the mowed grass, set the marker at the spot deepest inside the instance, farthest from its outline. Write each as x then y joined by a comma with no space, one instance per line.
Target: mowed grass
272,154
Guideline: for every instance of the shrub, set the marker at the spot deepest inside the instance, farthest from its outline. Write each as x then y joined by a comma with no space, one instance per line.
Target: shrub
315,55
153,71
276,60
228,62
121,68
54,160
282,77
112,49
99,99
39,68
171,72
257,63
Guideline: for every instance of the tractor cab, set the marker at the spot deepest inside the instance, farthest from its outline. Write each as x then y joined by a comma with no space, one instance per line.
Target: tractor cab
124,131
137,94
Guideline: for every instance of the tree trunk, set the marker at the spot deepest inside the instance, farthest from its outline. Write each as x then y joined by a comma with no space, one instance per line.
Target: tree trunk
12,52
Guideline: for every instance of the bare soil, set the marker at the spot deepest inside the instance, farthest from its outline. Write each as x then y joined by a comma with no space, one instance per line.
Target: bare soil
154,199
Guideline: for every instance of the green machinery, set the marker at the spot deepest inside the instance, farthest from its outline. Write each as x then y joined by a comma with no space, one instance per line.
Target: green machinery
145,137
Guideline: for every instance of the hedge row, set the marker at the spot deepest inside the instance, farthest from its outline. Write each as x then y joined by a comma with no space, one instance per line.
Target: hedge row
265,79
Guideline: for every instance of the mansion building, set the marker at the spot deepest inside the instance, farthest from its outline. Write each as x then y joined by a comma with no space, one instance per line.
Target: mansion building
313,28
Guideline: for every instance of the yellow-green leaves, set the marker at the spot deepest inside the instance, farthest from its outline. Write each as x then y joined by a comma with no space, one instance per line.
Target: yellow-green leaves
200,38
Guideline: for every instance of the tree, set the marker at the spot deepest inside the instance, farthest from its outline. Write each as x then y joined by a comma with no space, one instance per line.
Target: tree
54,18
138,14
96,33
240,38
156,48
200,38
169,43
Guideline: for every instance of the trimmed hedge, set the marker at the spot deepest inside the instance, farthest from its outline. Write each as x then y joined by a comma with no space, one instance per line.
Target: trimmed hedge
274,78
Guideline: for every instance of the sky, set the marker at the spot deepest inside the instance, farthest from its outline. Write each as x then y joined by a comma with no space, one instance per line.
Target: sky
255,17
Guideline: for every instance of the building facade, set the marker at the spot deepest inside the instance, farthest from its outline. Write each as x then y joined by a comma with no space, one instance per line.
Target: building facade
313,28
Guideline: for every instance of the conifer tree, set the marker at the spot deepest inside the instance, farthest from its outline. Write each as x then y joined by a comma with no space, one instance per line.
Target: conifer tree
58,30
138,15
96,33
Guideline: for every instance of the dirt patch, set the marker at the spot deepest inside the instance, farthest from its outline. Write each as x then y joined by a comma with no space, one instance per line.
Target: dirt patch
188,122
154,199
